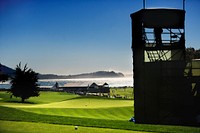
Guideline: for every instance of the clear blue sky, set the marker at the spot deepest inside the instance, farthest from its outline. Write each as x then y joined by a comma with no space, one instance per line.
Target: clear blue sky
75,36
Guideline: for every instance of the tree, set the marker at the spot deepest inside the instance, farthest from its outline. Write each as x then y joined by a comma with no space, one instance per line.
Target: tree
3,77
192,53
24,84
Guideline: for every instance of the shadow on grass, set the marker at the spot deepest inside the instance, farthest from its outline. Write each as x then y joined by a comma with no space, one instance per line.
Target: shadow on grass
95,97
19,101
6,97
12,114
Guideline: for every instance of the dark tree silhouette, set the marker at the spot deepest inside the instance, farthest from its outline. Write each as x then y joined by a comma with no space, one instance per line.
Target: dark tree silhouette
24,84
3,77
192,53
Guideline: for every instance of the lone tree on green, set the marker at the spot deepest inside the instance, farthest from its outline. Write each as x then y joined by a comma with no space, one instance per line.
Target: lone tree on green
24,84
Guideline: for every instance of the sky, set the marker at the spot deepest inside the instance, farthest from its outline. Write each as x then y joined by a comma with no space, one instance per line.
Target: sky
77,36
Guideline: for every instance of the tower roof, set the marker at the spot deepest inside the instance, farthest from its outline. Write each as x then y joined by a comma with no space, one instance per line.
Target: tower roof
160,17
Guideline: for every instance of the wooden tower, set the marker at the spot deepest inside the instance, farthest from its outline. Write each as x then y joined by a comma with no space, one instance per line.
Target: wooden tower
162,91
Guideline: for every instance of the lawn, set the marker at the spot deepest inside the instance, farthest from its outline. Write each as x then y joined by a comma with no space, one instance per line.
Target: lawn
126,92
45,97
63,110
30,127
115,113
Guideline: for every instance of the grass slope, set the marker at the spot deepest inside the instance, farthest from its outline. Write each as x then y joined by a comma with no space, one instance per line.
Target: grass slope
30,127
45,97
85,116
115,113
64,100
11,114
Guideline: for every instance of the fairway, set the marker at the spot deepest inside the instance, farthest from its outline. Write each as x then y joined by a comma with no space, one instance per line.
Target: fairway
80,103
64,100
63,104
116,113
60,112
45,97
30,127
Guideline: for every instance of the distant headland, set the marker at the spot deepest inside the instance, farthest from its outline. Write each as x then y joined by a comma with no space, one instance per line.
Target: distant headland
99,74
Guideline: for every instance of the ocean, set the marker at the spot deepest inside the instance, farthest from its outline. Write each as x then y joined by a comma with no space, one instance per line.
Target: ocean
48,83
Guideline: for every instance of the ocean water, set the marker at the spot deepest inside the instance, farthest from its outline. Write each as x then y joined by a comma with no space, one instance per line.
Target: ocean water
112,82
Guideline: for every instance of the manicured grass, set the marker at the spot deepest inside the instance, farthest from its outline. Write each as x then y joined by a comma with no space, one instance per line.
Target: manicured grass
76,106
49,97
11,114
115,113
45,97
30,127
76,103
64,111
65,100
87,103
123,92
19,115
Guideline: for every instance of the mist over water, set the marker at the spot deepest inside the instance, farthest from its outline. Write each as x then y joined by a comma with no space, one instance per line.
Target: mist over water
113,82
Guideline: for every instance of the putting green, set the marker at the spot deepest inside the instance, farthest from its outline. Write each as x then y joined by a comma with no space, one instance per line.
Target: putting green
76,103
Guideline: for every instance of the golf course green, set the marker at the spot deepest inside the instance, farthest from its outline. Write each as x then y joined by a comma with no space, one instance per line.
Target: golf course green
61,112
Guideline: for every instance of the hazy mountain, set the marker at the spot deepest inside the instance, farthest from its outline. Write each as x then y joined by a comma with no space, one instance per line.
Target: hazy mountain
98,74
6,70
